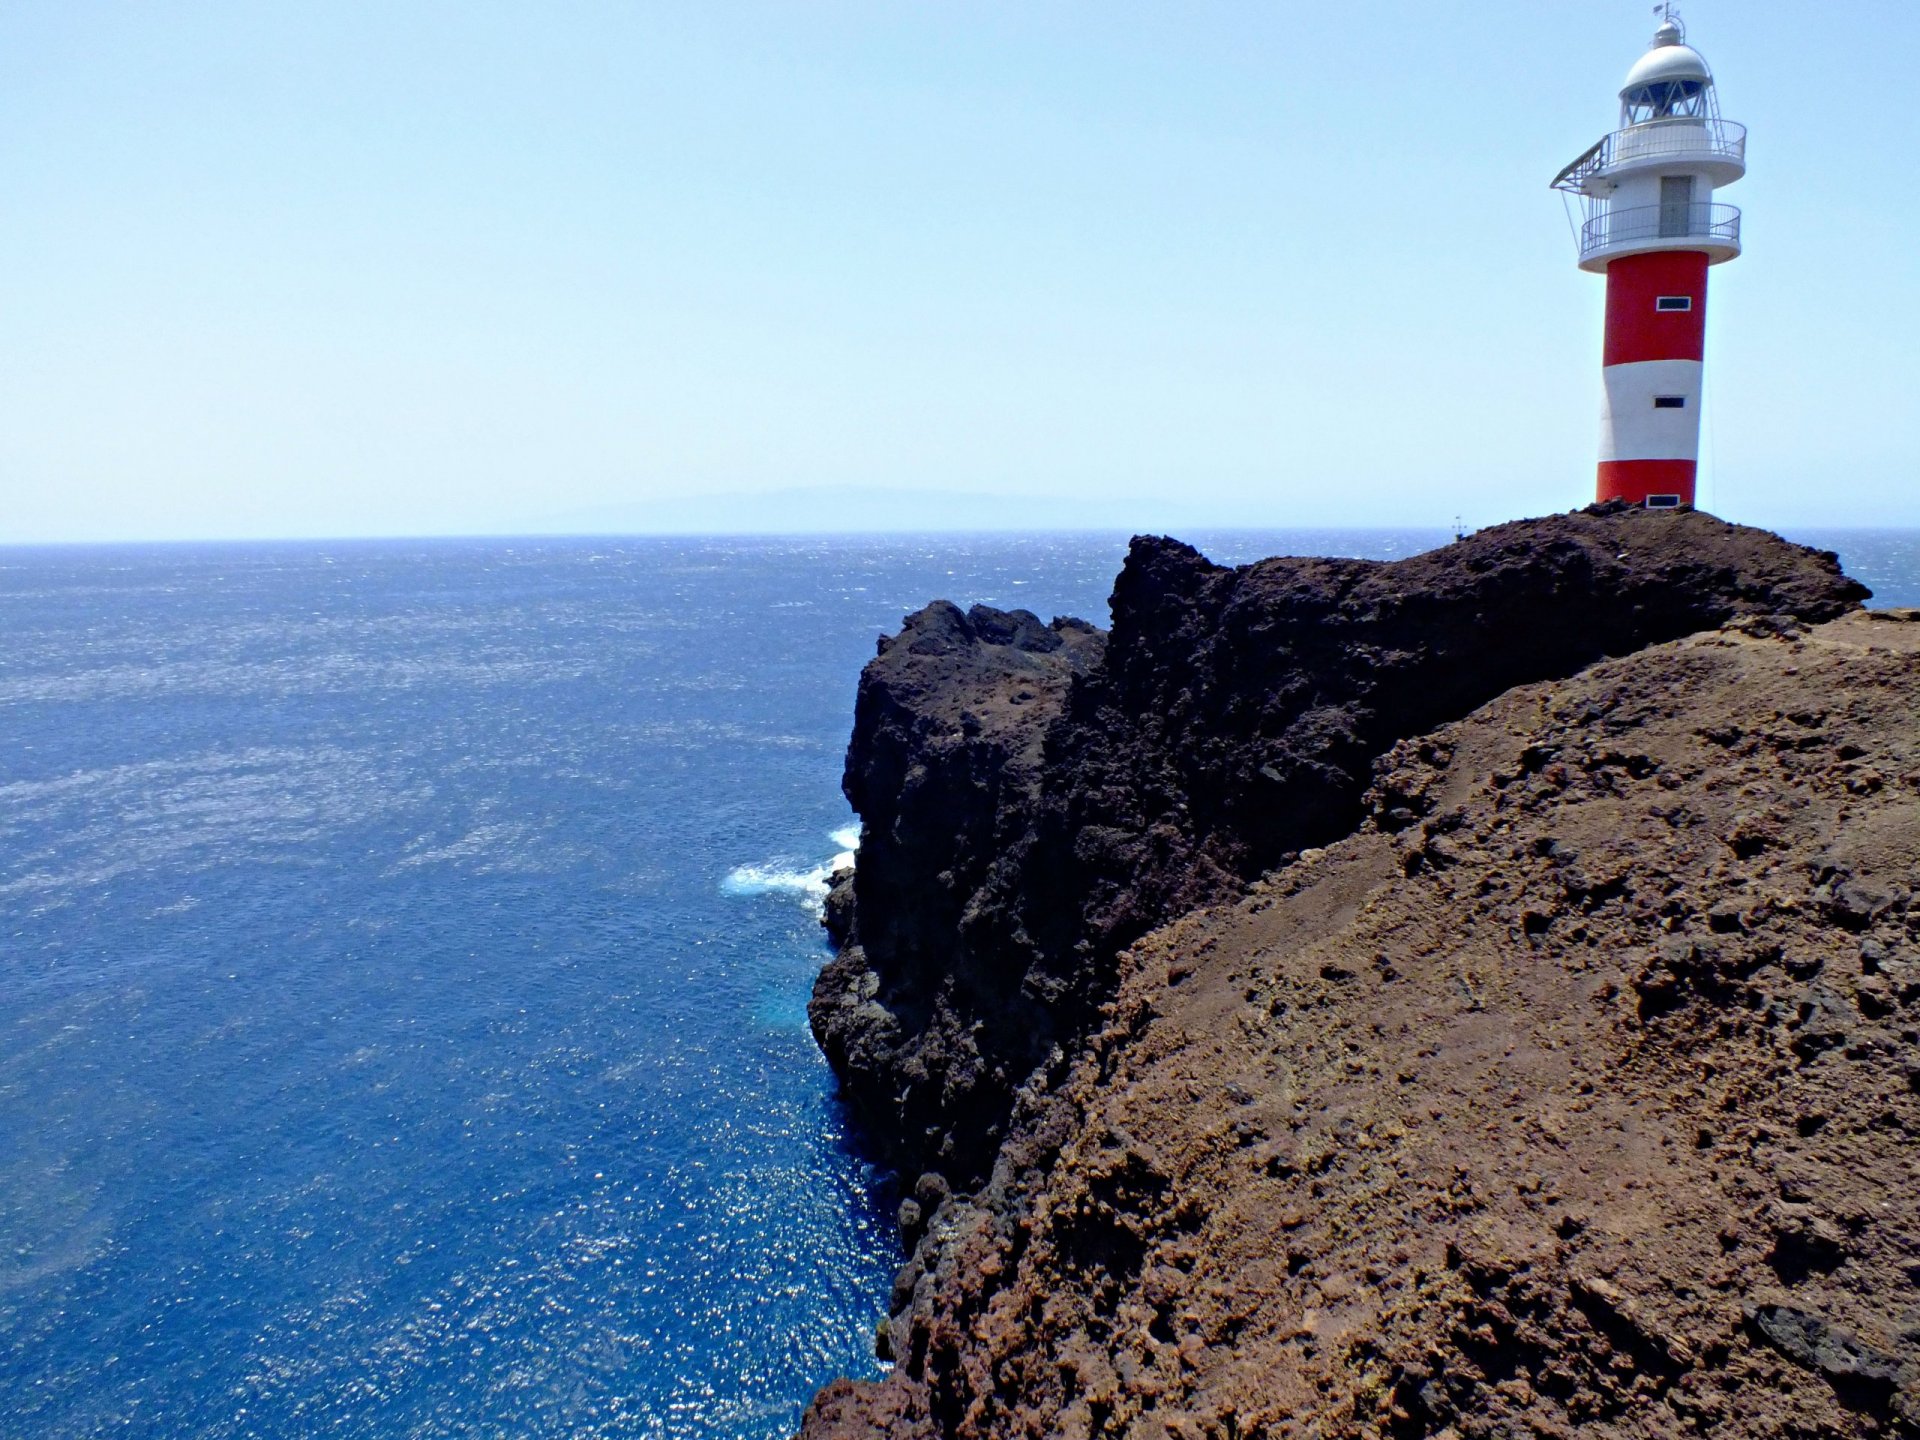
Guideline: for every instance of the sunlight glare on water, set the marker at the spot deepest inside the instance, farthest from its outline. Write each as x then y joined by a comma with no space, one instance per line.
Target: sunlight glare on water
404,951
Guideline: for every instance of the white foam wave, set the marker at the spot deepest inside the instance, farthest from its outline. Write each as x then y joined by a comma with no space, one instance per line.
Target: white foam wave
808,884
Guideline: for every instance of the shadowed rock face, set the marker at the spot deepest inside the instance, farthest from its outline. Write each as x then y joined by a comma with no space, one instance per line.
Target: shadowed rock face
1035,798
922,1020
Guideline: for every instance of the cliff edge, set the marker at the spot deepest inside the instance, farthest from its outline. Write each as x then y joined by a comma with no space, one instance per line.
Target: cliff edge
1579,1089
1533,1043
1035,798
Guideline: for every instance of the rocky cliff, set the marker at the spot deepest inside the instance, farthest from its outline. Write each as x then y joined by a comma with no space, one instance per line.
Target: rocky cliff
1035,798
1533,1043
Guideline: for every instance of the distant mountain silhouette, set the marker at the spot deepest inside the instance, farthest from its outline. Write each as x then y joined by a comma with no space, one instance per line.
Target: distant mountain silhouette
843,509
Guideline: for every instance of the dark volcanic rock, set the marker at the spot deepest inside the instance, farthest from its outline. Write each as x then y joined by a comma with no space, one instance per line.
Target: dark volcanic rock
944,764
1035,798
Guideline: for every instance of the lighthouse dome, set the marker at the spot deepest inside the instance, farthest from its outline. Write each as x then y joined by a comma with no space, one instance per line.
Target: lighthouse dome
1671,64
1670,82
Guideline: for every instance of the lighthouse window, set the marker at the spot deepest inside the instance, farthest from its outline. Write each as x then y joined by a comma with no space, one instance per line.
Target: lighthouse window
1669,402
1673,302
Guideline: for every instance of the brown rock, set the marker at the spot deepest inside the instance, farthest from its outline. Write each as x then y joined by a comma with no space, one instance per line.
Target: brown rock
1293,1196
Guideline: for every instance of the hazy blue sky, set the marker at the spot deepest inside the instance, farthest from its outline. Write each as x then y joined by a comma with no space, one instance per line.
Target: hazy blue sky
382,268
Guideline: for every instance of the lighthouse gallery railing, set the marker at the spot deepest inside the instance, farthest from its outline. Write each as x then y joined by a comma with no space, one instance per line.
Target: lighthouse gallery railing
1705,135
1638,223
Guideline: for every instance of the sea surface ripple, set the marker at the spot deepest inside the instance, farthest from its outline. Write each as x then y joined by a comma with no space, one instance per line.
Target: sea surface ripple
404,950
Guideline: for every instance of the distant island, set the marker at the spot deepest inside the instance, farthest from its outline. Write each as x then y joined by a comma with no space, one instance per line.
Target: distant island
865,509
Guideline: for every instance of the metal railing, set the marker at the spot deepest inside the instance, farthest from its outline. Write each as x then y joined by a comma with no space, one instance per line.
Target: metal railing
1693,135
1718,224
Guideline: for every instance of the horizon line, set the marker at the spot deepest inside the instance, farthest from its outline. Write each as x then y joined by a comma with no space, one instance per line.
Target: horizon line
874,533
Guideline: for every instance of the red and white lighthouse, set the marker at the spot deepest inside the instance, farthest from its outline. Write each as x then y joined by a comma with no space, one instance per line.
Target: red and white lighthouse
1652,228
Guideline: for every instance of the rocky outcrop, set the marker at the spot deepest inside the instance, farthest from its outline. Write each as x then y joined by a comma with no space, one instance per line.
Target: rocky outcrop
1575,1088
1036,798
920,1013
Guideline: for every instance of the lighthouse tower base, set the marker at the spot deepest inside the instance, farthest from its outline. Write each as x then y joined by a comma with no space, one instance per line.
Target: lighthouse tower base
1656,340
1656,484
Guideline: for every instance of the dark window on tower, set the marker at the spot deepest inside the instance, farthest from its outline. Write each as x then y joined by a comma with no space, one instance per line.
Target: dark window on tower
1673,302
1669,402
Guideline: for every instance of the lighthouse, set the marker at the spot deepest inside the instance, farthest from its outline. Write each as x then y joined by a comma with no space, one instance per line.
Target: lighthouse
1653,227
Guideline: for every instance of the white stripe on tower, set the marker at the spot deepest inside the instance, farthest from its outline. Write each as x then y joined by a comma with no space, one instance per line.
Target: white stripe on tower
1641,420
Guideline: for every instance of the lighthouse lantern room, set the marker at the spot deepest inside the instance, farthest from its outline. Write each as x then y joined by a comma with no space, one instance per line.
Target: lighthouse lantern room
1652,227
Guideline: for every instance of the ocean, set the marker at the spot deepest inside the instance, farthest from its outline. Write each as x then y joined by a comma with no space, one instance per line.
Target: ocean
404,950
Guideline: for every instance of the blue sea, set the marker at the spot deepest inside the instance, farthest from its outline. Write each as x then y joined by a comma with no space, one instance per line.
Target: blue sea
404,950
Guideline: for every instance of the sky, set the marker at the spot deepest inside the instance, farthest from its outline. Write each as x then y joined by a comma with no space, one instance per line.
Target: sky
390,267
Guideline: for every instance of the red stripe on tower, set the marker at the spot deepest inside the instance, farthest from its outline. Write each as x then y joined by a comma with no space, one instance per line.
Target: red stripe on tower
1653,228
1637,481
1639,326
